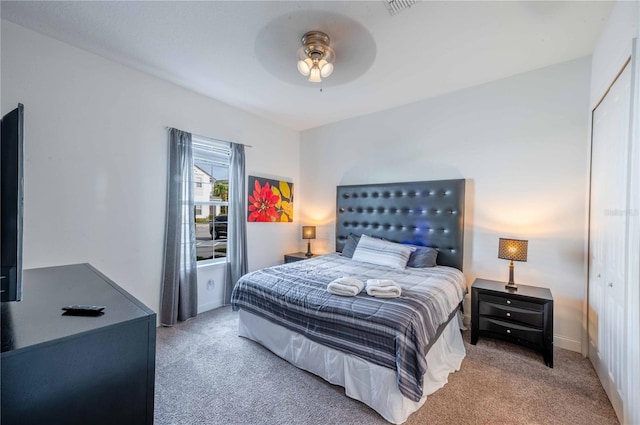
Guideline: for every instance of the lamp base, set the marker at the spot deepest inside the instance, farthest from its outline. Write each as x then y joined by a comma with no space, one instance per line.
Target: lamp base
511,286
309,253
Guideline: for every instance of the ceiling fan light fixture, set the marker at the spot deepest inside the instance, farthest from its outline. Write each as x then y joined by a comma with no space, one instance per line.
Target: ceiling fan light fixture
315,57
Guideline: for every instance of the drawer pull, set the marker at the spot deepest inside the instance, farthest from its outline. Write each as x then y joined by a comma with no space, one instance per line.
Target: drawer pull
508,331
508,314
508,301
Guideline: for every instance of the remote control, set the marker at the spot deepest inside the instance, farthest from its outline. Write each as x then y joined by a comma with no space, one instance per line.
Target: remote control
83,310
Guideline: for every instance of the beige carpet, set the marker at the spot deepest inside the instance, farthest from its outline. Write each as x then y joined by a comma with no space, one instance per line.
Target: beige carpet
205,374
502,383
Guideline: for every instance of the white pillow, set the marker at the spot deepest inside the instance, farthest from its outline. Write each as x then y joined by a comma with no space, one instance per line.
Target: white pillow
383,253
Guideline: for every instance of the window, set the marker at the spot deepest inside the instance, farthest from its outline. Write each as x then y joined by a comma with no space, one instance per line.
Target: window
211,197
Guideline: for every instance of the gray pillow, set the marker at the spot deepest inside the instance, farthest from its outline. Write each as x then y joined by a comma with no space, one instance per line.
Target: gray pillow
423,256
350,245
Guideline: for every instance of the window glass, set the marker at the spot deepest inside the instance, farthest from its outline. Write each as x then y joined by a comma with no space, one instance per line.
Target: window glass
211,197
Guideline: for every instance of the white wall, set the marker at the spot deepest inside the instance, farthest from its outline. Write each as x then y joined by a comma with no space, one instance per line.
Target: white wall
613,47
519,142
211,279
96,159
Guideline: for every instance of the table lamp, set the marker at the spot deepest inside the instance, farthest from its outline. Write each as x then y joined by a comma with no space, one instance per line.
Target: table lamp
514,250
309,232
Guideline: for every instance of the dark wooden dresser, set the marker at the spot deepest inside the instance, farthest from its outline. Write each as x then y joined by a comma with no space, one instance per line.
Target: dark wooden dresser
524,316
59,369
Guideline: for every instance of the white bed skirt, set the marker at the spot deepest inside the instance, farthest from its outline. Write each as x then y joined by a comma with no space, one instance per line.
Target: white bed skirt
369,383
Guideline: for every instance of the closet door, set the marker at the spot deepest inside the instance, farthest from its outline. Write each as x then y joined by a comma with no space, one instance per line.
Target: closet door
608,237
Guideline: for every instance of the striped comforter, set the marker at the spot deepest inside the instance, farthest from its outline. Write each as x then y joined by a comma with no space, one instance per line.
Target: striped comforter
394,333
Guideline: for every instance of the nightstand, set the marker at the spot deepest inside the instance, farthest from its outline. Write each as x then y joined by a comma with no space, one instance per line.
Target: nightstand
523,317
296,256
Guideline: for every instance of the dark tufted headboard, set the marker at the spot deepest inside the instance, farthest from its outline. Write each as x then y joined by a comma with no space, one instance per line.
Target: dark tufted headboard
427,213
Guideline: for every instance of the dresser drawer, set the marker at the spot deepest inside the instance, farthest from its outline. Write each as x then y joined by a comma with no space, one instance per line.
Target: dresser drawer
512,313
510,302
510,330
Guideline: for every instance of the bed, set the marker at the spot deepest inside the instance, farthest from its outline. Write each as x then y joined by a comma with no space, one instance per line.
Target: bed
388,353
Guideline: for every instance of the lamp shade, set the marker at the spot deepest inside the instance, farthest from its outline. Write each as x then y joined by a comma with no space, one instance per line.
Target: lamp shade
308,232
304,67
314,75
326,70
513,249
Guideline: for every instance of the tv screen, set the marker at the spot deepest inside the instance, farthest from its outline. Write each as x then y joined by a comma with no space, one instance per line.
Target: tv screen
11,188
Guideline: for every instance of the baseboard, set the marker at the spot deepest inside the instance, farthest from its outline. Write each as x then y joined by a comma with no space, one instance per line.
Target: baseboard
558,340
210,305
466,320
567,343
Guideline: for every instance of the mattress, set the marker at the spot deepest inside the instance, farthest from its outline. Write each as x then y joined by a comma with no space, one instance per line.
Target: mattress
392,333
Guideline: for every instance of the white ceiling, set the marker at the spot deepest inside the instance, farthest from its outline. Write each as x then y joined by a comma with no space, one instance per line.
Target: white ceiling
243,53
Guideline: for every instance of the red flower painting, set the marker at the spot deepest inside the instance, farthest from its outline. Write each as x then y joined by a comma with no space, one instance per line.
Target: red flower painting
262,204
270,201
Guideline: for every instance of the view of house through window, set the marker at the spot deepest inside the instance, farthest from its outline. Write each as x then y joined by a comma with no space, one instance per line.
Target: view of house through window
211,197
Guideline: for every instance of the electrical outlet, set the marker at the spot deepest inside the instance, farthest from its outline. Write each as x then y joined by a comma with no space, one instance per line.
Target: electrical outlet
210,284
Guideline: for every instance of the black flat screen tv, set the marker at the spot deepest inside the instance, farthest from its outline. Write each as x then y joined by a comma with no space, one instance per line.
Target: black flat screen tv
11,196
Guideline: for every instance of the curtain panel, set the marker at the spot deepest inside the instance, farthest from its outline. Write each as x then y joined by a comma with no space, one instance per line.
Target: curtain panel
237,241
179,293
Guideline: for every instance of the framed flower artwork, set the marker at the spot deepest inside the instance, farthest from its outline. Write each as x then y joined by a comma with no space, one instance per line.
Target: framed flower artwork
269,200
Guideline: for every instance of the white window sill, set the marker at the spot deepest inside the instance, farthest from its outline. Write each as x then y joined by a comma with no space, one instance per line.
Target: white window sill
213,263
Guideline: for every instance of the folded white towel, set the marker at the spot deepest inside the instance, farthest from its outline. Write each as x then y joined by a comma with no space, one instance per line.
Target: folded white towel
384,291
346,286
383,288
381,282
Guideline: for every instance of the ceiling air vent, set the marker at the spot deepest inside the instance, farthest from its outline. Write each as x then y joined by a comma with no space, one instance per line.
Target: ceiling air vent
395,6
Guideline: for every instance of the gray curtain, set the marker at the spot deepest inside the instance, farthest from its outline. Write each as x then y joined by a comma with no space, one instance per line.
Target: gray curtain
179,296
237,242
